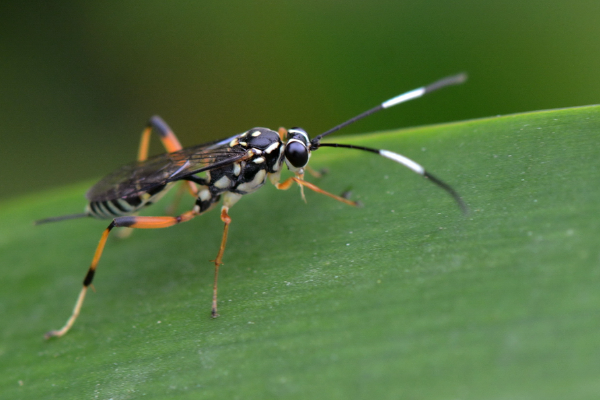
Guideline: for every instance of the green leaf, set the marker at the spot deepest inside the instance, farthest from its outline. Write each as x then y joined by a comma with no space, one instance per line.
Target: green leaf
403,298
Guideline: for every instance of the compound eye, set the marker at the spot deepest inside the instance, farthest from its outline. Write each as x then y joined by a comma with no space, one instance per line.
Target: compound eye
296,153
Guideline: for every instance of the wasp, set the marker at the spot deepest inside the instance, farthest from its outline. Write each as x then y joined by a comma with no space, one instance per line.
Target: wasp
224,170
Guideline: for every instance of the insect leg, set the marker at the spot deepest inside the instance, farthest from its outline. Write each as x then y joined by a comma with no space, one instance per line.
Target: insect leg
218,261
130,222
301,177
179,194
166,135
289,181
169,141
314,173
229,199
172,208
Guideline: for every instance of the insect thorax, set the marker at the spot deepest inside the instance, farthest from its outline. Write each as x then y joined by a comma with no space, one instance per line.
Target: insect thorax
265,151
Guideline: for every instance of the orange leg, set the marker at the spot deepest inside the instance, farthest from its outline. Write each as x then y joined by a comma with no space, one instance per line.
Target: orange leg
218,261
285,185
169,141
130,222
167,137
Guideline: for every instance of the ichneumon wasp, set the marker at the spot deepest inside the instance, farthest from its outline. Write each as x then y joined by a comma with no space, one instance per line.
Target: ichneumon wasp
228,168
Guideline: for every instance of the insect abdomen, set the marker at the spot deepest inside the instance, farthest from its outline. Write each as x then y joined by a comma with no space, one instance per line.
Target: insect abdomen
119,207
112,208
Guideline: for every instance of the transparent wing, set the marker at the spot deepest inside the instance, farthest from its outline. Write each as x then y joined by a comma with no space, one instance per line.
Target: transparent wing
151,176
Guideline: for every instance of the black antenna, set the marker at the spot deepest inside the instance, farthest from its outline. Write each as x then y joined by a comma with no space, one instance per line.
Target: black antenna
407,162
410,164
413,94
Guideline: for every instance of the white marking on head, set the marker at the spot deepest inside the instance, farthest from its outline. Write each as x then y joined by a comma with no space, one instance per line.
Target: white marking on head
296,140
300,132
256,133
407,162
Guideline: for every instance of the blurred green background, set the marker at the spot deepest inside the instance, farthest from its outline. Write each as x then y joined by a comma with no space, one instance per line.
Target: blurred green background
78,80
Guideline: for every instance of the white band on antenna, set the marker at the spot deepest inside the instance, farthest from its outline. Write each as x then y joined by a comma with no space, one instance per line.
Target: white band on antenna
413,94
407,162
